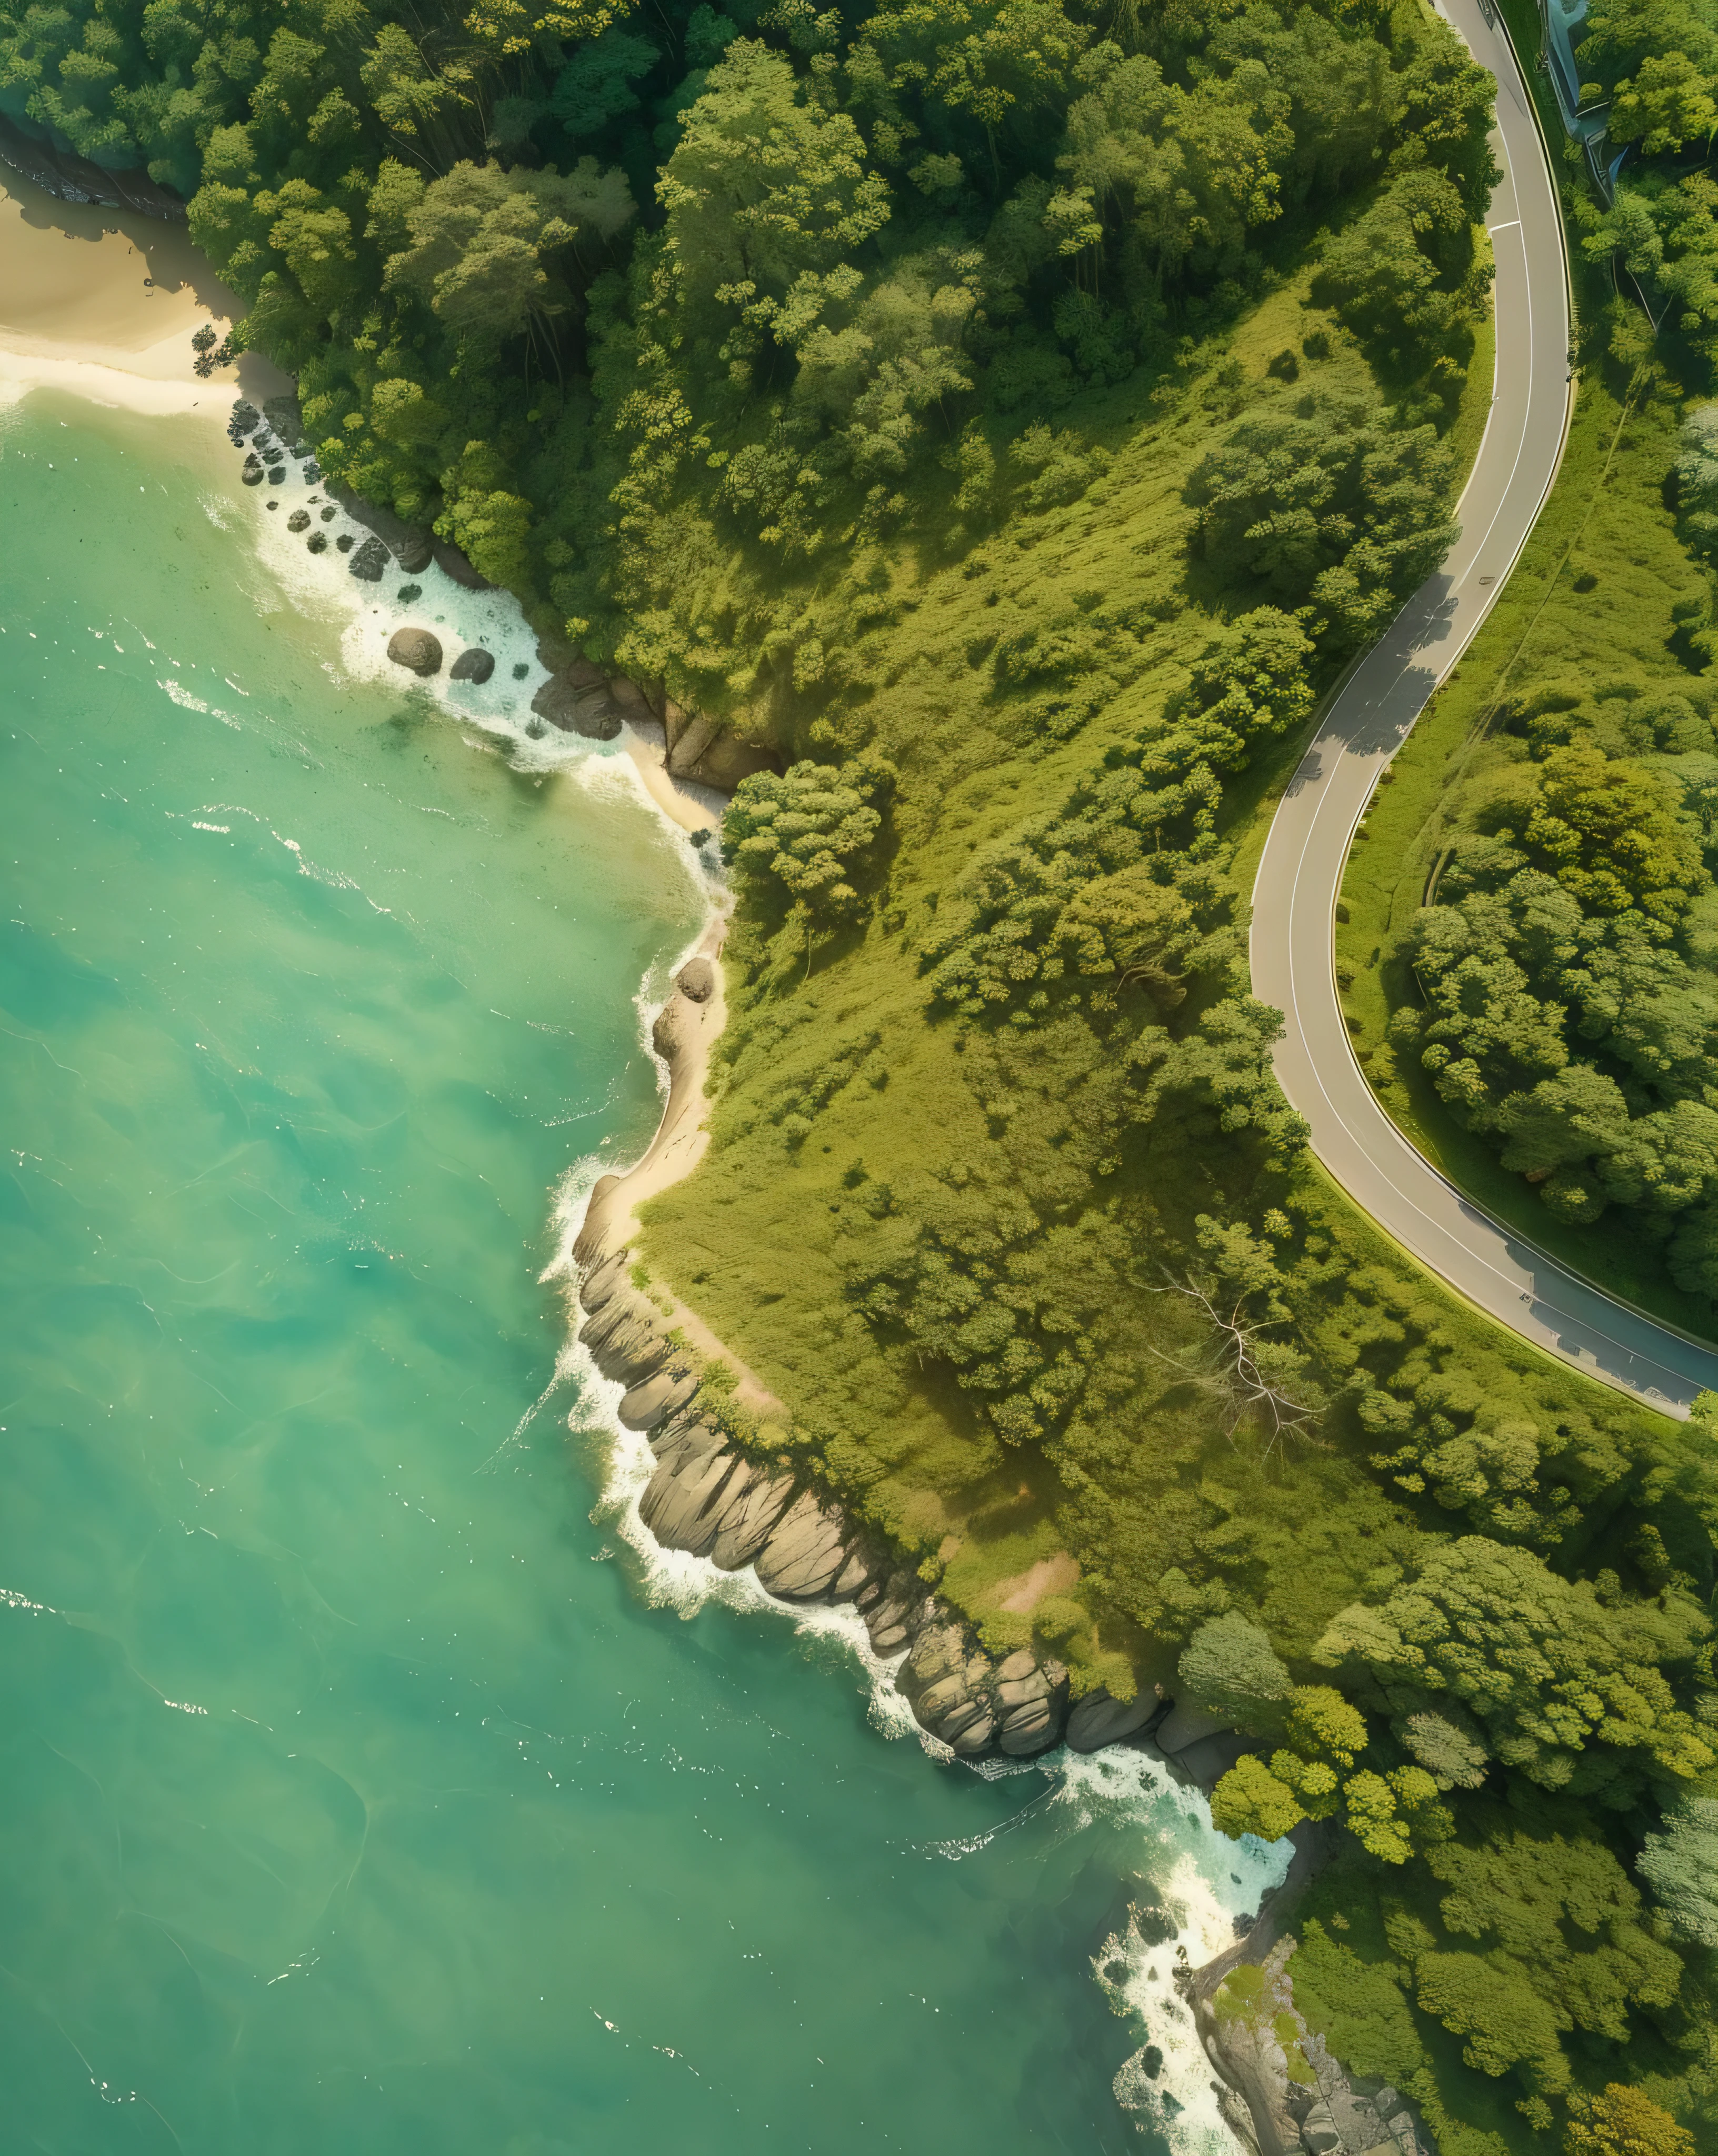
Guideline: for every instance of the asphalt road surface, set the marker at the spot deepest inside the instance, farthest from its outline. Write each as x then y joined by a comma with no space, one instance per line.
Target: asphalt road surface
1295,896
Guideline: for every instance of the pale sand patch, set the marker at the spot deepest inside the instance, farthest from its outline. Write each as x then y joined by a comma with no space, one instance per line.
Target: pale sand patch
693,807
677,1147
102,303
1050,1575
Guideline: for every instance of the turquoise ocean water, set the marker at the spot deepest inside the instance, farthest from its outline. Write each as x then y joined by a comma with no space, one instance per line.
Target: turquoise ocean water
354,1798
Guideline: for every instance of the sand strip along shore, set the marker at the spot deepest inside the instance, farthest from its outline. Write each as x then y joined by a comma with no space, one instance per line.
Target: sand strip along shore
103,302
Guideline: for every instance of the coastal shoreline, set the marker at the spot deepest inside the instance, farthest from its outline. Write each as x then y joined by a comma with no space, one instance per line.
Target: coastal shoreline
926,1673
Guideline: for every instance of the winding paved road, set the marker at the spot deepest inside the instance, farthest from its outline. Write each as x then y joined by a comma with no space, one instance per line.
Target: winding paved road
1294,896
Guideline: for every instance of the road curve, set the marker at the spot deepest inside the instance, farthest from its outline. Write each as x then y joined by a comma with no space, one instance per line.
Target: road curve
1300,874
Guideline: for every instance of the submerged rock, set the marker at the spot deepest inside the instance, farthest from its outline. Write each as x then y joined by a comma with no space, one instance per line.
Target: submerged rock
345,542
370,560
472,665
299,520
415,649
318,543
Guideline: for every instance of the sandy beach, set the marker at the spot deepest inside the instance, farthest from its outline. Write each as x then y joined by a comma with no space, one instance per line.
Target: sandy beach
103,303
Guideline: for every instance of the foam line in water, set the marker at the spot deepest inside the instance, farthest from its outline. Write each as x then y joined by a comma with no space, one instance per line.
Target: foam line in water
322,587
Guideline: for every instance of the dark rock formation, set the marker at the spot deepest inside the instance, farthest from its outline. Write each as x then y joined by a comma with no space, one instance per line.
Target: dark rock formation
412,545
299,520
317,543
345,542
252,474
703,752
71,178
370,560
696,979
576,697
472,665
1098,1719
284,416
415,649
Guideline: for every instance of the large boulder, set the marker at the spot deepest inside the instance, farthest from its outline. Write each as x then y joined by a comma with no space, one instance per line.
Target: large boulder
252,473
752,1503
417,650
1098,1719
473,664
286,419
800,1560
1185,1724
658,1396
708,756
696,980
369,561
624,1341
602,1280
679,1506
578,702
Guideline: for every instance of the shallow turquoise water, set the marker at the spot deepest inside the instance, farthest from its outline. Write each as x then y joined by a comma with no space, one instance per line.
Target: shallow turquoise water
348,1803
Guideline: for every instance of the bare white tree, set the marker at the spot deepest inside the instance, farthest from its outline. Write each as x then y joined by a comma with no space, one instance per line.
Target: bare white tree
1254,1378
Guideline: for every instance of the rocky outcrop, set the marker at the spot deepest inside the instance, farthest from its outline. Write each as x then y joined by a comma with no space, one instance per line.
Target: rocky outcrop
577,696
371,561
703,752
707,1496
299,520
1100,1719
416,649
1284,2094
69,177
283,414
473,664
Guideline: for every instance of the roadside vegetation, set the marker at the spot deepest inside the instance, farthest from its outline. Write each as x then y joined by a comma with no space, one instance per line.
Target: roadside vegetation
1016,414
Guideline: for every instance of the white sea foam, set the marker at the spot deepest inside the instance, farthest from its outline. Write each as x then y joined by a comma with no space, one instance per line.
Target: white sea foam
322,587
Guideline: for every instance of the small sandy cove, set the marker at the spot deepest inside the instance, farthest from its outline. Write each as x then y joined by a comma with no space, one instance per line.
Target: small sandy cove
103,302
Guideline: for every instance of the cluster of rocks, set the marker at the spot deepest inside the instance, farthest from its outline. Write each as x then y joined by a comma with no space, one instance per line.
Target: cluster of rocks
276,434
1282,2093
580,698
710,1498
420,652
1341,2121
